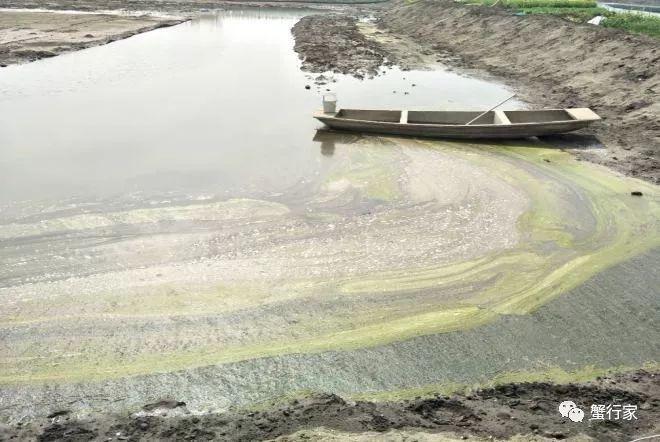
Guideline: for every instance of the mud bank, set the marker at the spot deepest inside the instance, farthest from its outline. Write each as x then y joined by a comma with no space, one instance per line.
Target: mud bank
504,411
342,44
550,61
28,36
335,43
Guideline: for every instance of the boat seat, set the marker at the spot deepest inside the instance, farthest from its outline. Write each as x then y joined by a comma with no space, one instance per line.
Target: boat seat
582,113
501,118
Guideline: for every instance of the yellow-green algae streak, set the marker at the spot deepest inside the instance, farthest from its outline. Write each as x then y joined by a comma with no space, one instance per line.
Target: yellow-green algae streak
625,227
556,252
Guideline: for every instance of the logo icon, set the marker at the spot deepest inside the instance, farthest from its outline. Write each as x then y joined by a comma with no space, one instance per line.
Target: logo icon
570,410
576,415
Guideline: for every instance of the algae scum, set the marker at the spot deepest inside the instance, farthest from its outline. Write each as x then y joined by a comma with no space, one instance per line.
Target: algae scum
229,266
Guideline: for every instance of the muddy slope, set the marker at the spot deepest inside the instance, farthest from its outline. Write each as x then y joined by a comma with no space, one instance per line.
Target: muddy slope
555,63
501,412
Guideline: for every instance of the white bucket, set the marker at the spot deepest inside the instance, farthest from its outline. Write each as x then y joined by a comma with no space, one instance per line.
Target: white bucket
329,103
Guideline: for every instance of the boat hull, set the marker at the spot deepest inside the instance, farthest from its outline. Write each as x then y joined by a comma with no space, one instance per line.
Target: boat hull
497,130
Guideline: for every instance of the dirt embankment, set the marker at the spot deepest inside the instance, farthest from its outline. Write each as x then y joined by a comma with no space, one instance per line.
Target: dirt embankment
555,63
551,62
502,412
27,36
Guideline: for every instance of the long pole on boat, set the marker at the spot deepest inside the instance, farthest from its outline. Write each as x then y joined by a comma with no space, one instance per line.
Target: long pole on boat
484,113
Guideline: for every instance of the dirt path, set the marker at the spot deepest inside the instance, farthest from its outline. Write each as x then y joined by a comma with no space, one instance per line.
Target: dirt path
27,36
549,61
529,409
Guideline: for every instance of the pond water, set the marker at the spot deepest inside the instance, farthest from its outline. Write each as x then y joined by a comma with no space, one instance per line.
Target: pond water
216,105
172,224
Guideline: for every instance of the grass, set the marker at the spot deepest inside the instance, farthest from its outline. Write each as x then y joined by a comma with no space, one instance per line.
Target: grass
551,3
635,23
582,11
580,15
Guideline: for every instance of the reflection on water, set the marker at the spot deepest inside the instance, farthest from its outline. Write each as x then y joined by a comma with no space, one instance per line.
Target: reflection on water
328,140
216,106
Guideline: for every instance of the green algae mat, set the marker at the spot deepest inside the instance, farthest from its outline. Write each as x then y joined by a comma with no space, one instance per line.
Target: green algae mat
396,241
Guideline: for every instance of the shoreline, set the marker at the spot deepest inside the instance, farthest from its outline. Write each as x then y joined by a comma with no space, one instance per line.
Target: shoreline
526,410
30,32
27,36
607,70
618,83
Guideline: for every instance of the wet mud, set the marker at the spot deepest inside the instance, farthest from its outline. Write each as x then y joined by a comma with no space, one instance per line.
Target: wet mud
28,36
526,410
334,43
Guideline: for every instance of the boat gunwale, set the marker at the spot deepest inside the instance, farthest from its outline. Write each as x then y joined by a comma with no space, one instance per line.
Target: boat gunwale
334,117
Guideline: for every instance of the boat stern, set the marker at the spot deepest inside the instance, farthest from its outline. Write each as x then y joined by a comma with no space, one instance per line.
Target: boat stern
325,117
583,114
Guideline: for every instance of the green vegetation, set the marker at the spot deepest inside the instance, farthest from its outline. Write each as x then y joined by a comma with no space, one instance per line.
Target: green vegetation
580,15
637,23
582,11
520,4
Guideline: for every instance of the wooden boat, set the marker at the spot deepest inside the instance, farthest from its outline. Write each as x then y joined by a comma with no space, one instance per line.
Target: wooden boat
447,124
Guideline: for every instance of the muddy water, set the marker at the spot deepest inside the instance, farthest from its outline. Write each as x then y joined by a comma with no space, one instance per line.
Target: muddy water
217,105
171,224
